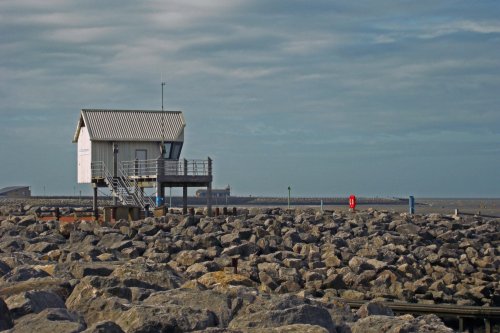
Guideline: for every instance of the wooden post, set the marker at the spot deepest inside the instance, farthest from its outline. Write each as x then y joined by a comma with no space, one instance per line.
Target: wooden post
487,325
94,203
234,262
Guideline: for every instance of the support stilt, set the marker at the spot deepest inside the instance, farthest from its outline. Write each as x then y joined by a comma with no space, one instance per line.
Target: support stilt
115,170
184,200
209,199
160,194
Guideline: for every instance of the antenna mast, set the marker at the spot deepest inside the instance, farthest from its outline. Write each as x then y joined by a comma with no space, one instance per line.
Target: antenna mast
162,85
162,114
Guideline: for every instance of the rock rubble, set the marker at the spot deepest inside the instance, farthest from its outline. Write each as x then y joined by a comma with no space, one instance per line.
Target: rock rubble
264,270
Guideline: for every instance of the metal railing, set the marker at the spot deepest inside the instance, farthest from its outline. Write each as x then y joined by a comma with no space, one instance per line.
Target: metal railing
163,167
128,193
137,193
98,169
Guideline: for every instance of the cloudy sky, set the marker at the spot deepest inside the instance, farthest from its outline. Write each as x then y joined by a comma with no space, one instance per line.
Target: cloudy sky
385,98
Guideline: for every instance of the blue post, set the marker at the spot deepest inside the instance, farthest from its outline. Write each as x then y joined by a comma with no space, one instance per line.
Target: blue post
412,204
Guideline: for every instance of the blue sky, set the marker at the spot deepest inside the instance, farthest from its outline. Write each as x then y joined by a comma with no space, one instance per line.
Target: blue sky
386,98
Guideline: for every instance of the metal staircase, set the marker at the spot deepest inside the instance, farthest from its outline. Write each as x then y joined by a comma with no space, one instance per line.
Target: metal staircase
126,191
131,187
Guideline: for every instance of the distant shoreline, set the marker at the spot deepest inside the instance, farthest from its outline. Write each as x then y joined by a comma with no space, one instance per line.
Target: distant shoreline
485,206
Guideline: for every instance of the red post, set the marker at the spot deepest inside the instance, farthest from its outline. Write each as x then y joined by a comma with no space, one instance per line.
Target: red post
352,202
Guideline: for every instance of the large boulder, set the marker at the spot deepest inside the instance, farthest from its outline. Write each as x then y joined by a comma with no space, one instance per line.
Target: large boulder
5,316
406,323
374,308
33,301
49,321
138,273
80,270
282,311
221,278
104,327
167,318
19,274
111,240
220,304
91,298
4,268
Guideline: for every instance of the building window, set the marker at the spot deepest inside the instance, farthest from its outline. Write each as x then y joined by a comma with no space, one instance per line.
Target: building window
176,150
171,150
167,149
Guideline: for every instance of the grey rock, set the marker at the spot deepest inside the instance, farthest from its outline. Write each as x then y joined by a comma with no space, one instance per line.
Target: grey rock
148,230
220,304
110,240
27,220
33,301
90,300
243,250
19,274
80,270
104,327
281,311
189,257
145,275
5,316
374,308
42,247
4,268
302,314
49,321
167,318
407,323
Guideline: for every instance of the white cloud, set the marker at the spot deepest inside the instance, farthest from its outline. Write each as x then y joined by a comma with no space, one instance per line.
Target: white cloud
81,35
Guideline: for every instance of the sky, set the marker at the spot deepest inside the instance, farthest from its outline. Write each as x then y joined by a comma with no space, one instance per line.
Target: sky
375,98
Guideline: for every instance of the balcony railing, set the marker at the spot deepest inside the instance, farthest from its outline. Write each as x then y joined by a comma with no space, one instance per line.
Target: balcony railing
157,167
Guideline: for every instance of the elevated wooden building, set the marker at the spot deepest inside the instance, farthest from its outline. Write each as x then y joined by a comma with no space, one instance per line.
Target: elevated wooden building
129,150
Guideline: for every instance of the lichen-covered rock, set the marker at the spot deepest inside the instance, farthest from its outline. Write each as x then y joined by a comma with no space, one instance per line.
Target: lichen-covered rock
225,279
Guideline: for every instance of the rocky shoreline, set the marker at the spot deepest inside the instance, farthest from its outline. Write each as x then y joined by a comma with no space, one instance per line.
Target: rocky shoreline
293,270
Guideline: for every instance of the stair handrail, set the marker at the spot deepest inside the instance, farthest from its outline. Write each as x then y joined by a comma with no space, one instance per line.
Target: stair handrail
114,182
141,199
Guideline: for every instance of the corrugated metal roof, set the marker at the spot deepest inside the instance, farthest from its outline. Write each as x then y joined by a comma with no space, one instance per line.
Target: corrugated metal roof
131,125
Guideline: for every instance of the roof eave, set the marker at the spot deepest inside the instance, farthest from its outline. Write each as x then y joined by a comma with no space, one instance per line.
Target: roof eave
78,127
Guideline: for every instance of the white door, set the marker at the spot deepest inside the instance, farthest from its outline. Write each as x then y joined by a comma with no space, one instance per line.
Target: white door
141,155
